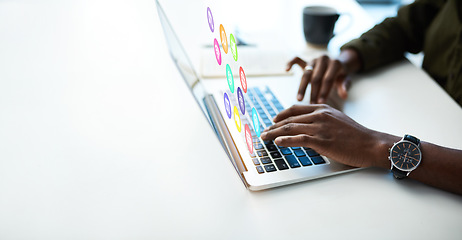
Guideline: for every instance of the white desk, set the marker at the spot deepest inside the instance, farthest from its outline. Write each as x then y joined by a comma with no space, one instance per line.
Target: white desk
100,139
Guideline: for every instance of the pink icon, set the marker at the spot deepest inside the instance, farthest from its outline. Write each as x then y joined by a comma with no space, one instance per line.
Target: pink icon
217,51
248,138
243,79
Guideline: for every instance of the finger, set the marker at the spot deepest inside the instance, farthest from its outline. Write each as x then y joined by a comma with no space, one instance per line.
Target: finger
297,61
343,83
296,110
318,74
304,84
331,74
303,118
301,140
290,129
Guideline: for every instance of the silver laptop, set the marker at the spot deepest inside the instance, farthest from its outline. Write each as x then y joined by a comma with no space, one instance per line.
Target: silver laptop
260,164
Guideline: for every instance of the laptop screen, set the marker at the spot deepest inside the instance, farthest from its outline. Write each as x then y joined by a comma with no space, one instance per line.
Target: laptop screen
182,61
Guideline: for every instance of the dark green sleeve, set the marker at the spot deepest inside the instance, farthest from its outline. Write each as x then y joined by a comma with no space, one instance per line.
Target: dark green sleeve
389,40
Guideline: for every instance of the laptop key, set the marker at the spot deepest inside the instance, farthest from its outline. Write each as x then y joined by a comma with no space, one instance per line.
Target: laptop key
305,161
311,152
260,169
286,151
262,153
299,153
265,160
271,147
270,168
281,164
293,163
275,155
255,161
318,160
258,146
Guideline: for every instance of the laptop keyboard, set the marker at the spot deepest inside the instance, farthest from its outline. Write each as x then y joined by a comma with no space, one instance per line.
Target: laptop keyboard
267,156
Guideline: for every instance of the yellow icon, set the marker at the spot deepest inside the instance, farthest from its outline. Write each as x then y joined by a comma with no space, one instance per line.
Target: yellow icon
224,39
237,119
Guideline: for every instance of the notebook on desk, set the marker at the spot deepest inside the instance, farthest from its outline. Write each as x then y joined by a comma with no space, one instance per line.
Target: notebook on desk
261,164
259,62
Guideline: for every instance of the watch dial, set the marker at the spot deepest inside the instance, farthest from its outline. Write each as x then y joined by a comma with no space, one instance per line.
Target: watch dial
405,156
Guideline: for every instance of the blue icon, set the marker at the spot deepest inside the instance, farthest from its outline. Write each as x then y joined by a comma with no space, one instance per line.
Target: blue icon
256,122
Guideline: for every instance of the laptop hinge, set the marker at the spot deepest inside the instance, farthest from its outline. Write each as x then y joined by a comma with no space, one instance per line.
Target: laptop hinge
225,137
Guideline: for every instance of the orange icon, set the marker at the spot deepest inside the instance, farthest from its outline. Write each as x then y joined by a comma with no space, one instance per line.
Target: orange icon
224,39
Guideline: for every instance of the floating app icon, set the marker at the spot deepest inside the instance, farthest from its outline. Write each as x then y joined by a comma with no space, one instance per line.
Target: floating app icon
210,19
227,106
243,79
237,119
216,46
256,122
232,43
248,138
240,99
224,39
230,78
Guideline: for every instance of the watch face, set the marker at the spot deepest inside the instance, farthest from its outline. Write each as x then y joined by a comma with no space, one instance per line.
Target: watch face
405,156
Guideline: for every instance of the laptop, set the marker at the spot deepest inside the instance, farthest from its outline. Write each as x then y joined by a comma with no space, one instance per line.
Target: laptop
260,164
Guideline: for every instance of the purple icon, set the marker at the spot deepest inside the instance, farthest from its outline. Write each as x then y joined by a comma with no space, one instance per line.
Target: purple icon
240,99
210,19
227,106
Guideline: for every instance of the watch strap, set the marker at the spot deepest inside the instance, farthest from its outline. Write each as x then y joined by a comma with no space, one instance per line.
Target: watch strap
412,139
398,174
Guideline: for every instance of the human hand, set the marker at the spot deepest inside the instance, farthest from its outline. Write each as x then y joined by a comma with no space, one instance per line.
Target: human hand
330,133
325,73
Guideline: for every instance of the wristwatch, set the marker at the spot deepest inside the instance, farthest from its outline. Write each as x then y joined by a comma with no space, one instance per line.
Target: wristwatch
405,156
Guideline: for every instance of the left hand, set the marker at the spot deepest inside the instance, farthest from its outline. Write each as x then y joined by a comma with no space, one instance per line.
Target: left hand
329,132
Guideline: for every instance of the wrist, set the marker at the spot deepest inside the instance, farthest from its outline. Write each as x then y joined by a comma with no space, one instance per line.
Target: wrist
350,60
383,143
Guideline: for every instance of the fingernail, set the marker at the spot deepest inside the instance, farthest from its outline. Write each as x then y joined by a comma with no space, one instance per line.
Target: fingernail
321,100
299,97
263,135
277,141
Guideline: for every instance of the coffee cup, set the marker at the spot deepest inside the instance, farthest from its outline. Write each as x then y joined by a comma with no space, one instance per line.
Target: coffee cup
318,24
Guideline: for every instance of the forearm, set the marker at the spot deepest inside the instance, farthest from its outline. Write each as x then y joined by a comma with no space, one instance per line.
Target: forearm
389,40
440,167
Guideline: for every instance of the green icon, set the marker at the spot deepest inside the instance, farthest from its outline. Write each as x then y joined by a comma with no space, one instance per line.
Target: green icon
233,46
230,78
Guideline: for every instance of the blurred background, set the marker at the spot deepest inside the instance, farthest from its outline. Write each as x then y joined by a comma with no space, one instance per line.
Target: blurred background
378,10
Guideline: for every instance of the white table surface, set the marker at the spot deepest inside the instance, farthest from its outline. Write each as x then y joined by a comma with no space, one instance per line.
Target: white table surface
101,139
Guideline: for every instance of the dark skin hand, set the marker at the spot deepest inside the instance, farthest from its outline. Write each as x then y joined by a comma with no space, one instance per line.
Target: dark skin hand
327,73
338,137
